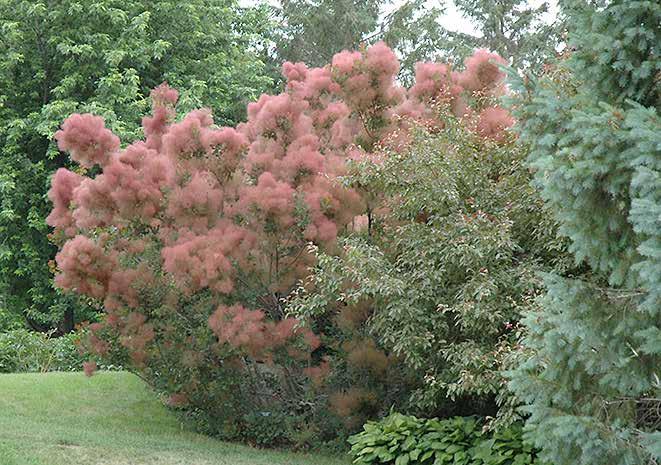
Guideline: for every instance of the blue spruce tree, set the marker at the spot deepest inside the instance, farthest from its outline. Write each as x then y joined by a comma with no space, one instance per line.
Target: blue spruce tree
592,385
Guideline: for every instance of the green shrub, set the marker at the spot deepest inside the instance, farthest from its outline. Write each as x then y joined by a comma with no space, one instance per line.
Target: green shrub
442,271
9,320
506,447
267,429
400,440
26,351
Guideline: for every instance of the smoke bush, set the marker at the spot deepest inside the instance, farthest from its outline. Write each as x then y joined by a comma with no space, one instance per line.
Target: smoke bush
192,237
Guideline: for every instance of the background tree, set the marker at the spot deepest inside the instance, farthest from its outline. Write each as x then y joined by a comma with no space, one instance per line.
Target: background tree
313,31
101,57
591,382
518,31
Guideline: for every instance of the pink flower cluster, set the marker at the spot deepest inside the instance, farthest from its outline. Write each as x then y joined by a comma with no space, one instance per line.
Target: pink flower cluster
493,122
481,73
61,194
87,139
85,267
199,261
249,331
367,80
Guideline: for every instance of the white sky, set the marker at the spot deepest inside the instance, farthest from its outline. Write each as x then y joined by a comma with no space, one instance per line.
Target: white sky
452,20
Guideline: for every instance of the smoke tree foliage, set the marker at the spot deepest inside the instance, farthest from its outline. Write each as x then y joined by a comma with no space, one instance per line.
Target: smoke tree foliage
440,269
592,383
191,238
102,57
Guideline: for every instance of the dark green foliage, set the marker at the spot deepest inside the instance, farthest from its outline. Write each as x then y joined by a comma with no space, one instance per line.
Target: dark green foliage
401,440
313,32
506,446
26,351
591,383
413,30
9,320
616,49
268,429
101,57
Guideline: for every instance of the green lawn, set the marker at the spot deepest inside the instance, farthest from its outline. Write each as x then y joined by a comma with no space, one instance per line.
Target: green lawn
109,419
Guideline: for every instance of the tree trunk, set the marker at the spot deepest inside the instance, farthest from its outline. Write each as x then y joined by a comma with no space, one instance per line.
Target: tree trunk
67,323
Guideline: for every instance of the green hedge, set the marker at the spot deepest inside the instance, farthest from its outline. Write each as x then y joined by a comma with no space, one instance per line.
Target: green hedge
27,351
402,440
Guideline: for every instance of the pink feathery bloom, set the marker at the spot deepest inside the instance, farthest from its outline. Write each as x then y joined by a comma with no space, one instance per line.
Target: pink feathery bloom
87,139
226,145
345,61
164,99
273,199
61,194
164,95
481,71
294,72
206,260
493,122
197,204
431,81
184,139
84,267
382,61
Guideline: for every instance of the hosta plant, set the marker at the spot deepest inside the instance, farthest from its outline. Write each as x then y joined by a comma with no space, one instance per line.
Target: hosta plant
400,440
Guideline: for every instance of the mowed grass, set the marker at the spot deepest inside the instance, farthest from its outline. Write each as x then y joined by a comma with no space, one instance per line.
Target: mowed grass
109,419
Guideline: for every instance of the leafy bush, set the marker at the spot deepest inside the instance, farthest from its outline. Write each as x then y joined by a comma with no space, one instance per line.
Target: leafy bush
400,440
27,351
191,239
442,271
506,446
268,429
9,320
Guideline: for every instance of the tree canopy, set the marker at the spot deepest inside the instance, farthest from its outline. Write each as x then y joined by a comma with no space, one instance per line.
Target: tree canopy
101,57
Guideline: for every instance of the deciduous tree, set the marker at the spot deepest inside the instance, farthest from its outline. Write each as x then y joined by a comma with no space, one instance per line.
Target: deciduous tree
102,57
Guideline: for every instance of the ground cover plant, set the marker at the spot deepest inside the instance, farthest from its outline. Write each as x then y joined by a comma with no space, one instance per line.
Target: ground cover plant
401,440
110,419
